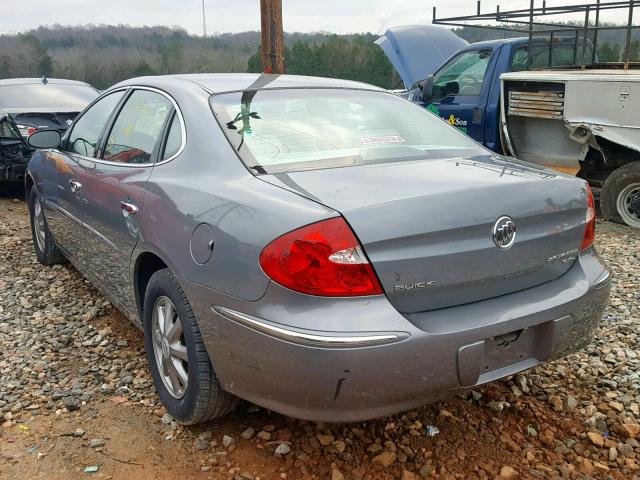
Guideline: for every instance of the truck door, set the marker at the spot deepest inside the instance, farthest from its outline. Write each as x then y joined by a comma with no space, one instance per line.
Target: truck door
460,91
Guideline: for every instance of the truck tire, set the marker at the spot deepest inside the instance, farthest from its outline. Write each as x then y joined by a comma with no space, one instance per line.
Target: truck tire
180,365
620,196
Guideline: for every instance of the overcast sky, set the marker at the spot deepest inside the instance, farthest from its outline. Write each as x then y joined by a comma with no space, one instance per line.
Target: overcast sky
340,16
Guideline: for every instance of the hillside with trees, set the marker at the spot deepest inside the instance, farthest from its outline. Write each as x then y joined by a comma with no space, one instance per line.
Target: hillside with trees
105,54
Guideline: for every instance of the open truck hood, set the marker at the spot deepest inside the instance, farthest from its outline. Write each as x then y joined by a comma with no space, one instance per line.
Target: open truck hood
417,51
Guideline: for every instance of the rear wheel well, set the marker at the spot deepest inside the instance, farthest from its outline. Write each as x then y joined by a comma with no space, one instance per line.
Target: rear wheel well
148,263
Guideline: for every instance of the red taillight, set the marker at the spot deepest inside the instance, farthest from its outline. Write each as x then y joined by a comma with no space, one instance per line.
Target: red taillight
590,226
323,258
26,130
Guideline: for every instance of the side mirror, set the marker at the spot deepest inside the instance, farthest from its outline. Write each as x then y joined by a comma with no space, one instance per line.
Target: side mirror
427,88
45,139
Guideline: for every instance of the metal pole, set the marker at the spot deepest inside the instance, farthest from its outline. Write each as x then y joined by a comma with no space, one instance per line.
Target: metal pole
629,29
433,19
478,7
204,21
551,40
585,37
530,50
594,53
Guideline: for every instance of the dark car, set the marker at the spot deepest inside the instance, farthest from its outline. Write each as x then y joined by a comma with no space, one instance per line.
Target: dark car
320,247
31,104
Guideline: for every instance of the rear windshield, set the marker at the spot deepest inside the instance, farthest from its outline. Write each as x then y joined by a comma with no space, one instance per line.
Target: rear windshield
56,97
561,53
286,130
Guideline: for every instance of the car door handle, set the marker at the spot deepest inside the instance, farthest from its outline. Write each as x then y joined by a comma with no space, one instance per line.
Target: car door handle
128,208
74,186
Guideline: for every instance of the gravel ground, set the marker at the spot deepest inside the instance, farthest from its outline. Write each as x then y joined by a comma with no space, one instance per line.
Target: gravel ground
75,392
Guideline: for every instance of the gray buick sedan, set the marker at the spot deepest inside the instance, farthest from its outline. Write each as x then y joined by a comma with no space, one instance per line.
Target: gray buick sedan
319,247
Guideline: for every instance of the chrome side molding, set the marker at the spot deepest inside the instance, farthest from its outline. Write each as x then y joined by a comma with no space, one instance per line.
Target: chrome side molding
307,339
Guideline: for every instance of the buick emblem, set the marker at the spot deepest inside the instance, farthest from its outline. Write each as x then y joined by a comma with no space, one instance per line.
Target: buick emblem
504,232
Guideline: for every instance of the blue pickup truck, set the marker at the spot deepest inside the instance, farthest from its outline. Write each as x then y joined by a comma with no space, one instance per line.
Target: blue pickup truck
465,90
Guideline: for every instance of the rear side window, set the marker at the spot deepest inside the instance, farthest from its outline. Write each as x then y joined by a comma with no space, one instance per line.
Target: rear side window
562,53
275,131
86,131
174,138
136,131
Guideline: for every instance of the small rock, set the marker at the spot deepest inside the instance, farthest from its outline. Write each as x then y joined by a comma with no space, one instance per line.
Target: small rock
227,441
325,439
248,433
167,419
556,402
570,403
78,432
385,459
97,442
339,445
596,439
336,474
407,475
71,404
509,473
262,435
282,449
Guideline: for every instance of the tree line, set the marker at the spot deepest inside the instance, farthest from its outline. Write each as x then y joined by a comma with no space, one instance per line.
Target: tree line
106,54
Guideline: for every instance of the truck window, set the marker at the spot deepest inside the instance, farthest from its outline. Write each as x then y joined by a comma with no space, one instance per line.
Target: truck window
462,75
562,55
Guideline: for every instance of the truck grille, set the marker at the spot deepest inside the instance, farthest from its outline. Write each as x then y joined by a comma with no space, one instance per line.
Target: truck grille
547,104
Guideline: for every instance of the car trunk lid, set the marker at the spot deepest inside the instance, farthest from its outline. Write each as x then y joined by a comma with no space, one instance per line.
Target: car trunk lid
426,226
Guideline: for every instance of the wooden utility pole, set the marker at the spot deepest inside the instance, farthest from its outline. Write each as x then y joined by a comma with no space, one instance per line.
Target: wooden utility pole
272,36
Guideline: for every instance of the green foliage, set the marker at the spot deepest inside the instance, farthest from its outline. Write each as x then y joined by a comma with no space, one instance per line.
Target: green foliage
103,55
355,58
609,53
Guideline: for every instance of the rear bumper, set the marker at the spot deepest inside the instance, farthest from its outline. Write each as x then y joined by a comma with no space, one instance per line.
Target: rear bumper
357,359
13,172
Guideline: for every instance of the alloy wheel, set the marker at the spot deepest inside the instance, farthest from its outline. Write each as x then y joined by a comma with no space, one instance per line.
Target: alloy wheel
39,225
169,346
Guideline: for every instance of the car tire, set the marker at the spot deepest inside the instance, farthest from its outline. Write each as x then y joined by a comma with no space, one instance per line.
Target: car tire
44,245
619,189
180,366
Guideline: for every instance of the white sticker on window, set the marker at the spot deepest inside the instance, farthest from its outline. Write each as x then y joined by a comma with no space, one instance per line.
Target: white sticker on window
381,139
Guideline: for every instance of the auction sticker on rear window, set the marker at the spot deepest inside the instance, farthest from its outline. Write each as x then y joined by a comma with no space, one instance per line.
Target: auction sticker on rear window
381,139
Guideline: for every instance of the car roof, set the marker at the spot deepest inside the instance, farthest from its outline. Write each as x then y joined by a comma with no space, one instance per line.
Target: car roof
30,81
227,82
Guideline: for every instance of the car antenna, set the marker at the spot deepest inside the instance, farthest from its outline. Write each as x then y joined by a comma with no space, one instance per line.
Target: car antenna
44,80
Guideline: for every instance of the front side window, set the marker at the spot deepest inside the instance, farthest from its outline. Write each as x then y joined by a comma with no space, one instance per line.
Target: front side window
287,130
86,131
136,131
462,75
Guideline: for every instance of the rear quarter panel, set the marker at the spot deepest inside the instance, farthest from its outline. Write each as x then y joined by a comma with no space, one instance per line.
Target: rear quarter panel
208,185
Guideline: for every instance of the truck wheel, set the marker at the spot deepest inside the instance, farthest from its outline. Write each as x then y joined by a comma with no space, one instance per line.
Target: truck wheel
620,197
180,365
45,247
